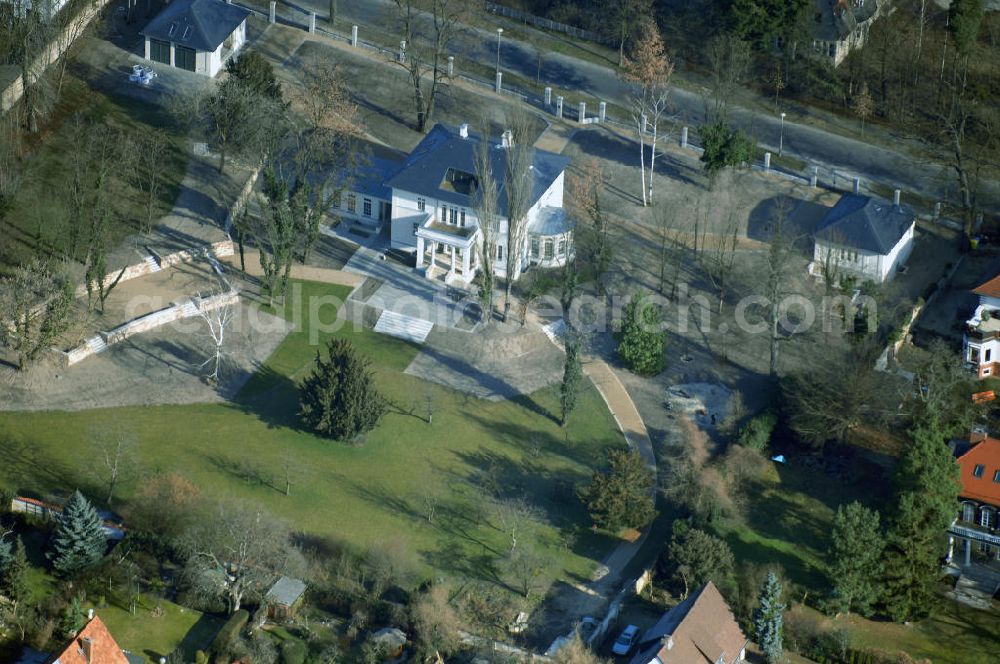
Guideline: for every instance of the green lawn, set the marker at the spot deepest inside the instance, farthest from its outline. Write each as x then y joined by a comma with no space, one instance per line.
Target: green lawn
37,219
375,493
153,633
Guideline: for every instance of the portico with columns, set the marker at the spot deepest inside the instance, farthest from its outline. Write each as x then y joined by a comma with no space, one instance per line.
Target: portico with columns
447,250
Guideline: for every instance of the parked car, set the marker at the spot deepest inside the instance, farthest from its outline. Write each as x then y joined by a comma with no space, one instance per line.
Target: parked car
586,628
625,641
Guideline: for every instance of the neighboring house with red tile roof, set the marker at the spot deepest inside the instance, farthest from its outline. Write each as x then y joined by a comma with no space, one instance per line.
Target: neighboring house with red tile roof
976,527
981,347
92,645
699,630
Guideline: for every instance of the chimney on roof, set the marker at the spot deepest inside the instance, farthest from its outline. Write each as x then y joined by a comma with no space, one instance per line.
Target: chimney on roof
463,130
90,614
86,645
507,139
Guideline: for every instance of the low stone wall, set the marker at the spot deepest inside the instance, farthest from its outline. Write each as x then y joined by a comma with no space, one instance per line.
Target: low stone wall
151,321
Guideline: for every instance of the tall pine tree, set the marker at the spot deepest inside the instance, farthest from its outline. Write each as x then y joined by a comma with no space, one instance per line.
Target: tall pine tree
79,541
768,619
926,498
855,559
14,581
338,399
569,391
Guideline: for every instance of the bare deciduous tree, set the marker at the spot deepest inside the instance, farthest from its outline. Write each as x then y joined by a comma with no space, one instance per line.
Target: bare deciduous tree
518,184
217,320
486,204
115,447
36,305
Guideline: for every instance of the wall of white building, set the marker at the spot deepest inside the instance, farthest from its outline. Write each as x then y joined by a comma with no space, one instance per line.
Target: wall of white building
866,264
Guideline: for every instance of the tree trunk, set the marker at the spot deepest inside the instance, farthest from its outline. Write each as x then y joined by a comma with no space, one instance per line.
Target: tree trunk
642,160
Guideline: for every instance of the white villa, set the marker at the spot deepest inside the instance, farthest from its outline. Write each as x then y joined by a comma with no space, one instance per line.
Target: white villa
982,331
842,26
864,237
427,199
196,35
47,8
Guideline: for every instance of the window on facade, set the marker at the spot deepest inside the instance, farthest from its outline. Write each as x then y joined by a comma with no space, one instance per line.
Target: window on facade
336,199
366,207
978,470
562,247
454,215
415,227
444,214
184,58
968,512
534,247
499,252
461,218
985,518
996,476
421,204
352,203
548,250
973,355
159,51
987,354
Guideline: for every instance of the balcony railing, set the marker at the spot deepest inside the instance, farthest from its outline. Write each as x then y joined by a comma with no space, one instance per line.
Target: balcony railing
974,532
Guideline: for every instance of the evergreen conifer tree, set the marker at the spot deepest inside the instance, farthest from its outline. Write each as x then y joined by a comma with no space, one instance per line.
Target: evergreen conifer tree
641,337
569,391
79,541
338,399
14,581
6,553
927,494
855,559
767,619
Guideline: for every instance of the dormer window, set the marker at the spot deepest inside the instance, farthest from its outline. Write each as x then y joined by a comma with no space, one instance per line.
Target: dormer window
996,476
187,33
978,470
172,30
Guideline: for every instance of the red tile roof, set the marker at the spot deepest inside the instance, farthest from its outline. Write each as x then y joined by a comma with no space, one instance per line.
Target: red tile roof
95,639
985,453
990,288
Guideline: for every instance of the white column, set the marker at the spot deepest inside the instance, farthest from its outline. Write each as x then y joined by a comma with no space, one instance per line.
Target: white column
466,253
684,134
312,23
951,549
451,270
172,55
354,35
857,185
146,52
271,13
434,246
767,161
559,105
451,66
548,96
814,178
583,112
499,85
968,552
420,251
602,111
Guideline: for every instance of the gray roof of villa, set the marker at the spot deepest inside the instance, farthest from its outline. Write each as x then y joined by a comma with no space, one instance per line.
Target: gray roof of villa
861,222
551,221
836,19
286,591
444,150
198,24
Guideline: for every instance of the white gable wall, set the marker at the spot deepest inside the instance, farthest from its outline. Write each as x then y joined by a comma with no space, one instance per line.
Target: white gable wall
865,264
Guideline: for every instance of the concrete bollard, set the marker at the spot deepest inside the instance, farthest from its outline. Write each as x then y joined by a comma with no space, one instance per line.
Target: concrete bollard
767,161
548,96
402,51
559,106
451,66
857,185
499,84
896,196
312,23
602,112
937,210
582,110
271,13
354,35
684,136
814,178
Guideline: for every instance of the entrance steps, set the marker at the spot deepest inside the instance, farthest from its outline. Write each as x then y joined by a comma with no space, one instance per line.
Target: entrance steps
976,586
403,327
555,331
154,266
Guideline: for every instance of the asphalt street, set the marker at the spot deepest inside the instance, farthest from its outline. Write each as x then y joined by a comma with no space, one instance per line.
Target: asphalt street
829,151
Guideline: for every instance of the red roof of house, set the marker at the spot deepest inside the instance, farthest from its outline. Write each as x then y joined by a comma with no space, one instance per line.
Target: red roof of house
990,288
96,639
983,486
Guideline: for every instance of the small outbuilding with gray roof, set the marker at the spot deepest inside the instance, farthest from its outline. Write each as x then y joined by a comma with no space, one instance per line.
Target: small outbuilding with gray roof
284,598
196,35
863,237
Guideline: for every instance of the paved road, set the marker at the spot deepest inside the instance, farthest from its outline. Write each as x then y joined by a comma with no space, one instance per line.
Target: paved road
594,82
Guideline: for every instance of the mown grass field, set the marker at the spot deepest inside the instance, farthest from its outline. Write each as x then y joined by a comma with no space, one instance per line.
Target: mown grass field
375,494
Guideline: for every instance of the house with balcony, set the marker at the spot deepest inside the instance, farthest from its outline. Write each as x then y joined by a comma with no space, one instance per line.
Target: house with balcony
429,201
981,342
975,530
196,35
841,26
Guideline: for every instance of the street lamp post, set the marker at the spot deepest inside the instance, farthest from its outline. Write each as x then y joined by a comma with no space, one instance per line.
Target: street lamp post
499,32
781,137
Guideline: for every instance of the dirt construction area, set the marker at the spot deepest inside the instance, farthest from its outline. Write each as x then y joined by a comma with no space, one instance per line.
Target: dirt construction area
158,367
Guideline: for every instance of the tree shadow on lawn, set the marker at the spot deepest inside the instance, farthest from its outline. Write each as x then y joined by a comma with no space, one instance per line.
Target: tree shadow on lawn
28,468
530,441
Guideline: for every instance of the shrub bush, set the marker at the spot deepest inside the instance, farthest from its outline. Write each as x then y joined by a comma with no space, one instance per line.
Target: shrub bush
293,651
229,631
756,434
